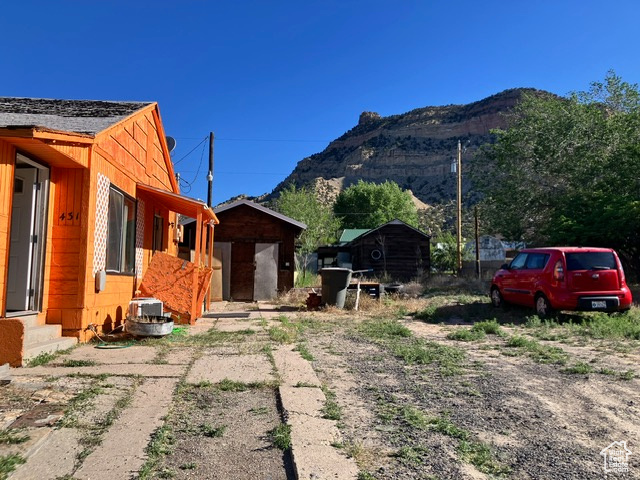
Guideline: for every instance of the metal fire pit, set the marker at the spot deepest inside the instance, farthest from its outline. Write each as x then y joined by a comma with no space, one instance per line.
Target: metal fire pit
149,326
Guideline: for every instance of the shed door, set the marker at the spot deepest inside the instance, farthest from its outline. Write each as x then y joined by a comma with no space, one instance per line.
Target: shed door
265,286
242,270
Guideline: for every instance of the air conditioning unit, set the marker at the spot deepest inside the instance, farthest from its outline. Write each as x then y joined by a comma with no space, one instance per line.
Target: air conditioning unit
145,307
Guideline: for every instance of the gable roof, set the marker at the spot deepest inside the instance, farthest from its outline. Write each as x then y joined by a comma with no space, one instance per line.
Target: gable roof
77,116
392,222
349,234
260,208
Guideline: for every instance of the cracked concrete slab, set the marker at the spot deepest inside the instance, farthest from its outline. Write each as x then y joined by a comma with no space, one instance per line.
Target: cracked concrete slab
134,354
312,436
129,436
146,370
239,368
302,400
54,459
293,368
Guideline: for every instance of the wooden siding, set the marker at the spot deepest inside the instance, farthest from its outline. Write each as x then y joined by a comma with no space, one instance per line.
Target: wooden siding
7,161
404,253
128,154
134,149
64,280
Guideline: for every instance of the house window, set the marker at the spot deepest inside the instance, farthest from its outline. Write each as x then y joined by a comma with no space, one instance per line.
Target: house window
158,233
121,233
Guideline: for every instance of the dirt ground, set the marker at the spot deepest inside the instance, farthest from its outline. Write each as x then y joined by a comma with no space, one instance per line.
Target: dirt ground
501,415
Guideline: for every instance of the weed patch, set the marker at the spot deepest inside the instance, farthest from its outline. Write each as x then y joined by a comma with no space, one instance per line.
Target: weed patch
538,352
281,436
78,363
579,368
161,444
381,329
227,385
422,352
12,437
304,352
331,409
411,455
490,327
8,464
211,431
480,456
466,335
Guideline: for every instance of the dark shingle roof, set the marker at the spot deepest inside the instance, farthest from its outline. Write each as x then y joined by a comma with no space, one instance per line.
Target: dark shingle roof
78,116
260,208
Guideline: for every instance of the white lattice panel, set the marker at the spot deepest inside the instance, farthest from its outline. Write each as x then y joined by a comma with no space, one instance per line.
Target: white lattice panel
139,237
102,224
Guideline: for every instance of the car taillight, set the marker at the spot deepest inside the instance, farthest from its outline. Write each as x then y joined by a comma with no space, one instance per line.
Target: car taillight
558,271
621,279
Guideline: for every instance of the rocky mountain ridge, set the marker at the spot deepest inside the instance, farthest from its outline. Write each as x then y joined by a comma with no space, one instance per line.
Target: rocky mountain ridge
414,149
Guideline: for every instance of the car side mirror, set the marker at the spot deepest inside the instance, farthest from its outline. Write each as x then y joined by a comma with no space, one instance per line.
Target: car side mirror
505,266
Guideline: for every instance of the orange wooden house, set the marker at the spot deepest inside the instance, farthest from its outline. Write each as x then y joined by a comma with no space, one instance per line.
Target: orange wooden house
86,187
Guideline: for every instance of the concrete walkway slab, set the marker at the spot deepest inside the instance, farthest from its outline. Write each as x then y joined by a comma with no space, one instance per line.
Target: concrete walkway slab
128,438
146,370
55,459
134,354
307,401
293,368
312,436
239,368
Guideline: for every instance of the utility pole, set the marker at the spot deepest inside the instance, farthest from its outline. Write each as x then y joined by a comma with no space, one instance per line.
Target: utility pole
459,226
210,174
477,244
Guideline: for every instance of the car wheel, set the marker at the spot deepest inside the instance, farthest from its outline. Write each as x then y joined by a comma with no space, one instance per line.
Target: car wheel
543,307
496,298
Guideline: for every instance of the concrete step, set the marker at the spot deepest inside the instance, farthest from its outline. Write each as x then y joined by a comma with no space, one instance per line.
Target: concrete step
5,374
41,333
30,321
49,346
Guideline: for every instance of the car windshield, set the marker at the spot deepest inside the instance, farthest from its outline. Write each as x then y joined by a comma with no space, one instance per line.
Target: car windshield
591,261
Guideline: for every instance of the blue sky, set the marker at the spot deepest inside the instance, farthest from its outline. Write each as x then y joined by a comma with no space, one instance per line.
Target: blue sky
277,81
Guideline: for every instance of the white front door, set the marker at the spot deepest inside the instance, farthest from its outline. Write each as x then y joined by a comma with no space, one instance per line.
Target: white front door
23,210
265,285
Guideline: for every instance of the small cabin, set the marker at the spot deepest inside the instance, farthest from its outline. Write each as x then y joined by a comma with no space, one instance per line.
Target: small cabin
254,252
89,195
394,250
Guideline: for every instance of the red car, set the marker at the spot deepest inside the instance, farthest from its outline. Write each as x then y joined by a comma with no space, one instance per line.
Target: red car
563,278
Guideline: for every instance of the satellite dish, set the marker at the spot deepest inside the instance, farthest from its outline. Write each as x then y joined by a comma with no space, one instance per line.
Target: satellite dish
171,143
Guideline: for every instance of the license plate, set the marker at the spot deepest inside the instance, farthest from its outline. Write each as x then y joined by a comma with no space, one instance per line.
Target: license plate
598,304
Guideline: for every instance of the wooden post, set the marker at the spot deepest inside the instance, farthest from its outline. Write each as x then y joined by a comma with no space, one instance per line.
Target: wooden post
194,302
210,174
211,227
477,245
459,223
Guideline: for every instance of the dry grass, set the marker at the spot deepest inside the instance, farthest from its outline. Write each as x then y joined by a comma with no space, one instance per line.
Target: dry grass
451,284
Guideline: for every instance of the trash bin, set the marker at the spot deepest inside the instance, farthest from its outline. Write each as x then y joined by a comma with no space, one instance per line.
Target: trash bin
334,285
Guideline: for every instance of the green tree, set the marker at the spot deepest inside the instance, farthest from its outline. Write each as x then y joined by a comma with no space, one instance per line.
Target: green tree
566,171
302,204
368,205
444,253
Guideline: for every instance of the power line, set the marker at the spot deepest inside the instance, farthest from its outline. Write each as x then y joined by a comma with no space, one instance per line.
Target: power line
191,151
270,140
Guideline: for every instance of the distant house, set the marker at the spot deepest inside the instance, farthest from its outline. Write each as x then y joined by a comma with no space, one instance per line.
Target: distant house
254,252
88,190
395,250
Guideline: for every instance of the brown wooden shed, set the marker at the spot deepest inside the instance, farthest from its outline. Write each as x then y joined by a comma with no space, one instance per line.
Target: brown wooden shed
395,250
255,250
